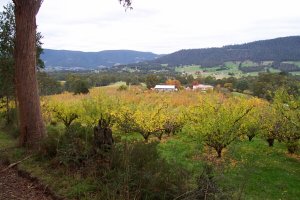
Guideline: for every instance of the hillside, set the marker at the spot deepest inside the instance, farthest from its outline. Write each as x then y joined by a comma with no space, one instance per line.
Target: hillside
279,50
64,59
280,54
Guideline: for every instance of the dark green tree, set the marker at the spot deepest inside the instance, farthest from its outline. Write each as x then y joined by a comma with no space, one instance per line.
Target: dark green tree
7,34
151,81
77,84
242,85
47,85
266,85
289,108
81,87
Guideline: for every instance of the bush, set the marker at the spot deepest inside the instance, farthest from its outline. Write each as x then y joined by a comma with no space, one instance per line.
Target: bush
75,145
50,145
81,87
10,122
138,172
292,146
70,147
123,88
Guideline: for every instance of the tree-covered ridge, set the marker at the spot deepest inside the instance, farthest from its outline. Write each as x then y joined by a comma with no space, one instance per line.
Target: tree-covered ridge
86,60
279,49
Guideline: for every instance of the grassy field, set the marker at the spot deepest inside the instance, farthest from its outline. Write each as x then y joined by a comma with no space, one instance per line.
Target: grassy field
231,69
293,62
189,69
259,171
295,73
264,172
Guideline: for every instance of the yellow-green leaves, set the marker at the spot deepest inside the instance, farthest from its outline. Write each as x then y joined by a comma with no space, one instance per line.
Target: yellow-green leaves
218,119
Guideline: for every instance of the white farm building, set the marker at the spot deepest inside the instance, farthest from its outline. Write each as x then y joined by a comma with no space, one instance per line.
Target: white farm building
165,88
202,87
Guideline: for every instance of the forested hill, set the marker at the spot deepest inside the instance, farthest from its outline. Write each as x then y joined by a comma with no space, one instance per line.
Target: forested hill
86,60
279,49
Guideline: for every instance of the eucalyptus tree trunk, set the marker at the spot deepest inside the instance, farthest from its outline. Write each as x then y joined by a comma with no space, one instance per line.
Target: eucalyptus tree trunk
32,128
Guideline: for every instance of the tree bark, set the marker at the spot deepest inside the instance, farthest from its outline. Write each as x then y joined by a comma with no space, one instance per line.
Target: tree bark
250,137
270,142
219,152
7,111
32,128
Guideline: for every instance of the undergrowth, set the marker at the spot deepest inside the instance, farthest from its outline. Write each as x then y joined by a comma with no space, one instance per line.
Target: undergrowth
175,168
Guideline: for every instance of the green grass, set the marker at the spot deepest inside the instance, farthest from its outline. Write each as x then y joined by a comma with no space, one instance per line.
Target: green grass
293,62
6,141
266,172
296,73
249,63
259,171
269,63
272,70
211,71
189,69
232,68
238,94
297,63
181,151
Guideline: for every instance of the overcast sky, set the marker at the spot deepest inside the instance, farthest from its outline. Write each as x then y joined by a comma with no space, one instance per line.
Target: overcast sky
163,26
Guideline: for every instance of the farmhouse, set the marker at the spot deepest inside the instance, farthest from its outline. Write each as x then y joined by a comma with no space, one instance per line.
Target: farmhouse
165,88
202,87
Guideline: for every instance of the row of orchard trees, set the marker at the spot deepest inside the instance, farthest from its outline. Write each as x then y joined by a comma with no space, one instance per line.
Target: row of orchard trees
214,119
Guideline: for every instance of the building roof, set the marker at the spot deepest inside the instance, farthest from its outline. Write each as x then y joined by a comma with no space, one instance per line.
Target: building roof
165,87
201,86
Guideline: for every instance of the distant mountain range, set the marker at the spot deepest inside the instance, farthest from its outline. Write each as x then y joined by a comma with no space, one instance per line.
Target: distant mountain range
78,60
279,49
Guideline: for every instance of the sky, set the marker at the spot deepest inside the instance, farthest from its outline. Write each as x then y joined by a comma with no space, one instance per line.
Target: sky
163,26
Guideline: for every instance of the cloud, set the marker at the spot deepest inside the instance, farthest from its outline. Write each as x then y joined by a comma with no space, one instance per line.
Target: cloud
164,26
3,3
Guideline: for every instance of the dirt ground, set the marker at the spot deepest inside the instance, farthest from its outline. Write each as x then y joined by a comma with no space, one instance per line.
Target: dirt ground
15,187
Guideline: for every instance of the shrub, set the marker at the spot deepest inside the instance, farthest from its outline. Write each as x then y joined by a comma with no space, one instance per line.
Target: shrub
81,87
123,88
292,146
75,145
50,145
138,172
71,146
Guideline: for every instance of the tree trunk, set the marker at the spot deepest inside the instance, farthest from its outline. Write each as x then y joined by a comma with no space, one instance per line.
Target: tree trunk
32,128
8,121
103,138
270,142
219,152
292,145
250,137
16,108
146,137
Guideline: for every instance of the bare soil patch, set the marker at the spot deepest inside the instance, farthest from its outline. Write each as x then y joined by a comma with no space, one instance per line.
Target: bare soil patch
14,186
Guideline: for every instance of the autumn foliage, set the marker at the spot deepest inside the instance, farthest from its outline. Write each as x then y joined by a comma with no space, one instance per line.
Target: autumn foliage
174,82
213,118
